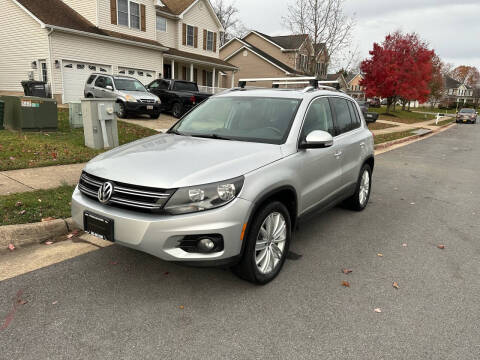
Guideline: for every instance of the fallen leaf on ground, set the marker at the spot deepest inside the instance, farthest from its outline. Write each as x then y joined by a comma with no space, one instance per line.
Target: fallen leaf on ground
22,302
404,245
12,158
412,203
345,283
50,218
113,262
346,271
39,200
18,204
441,247
395,285
377,310
55,303
48,242
11,247
380,255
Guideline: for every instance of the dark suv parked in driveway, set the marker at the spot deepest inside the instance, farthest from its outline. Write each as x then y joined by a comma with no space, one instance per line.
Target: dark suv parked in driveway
129,93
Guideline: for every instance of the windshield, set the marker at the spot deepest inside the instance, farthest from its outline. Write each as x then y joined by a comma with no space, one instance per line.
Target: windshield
185,86
255,119
467,111
129,85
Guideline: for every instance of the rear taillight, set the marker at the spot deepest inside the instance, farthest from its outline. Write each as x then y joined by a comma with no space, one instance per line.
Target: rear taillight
193,99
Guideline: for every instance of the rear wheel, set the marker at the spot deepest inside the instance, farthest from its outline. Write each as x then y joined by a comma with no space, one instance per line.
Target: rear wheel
359,200
267,244
177,110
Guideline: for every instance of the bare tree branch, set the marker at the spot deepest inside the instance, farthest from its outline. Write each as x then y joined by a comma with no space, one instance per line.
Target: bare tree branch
228,16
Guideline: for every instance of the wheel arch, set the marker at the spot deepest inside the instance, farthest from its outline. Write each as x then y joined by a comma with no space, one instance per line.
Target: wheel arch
370,161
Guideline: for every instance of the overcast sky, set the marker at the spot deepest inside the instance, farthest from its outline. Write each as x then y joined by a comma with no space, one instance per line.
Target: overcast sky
452,27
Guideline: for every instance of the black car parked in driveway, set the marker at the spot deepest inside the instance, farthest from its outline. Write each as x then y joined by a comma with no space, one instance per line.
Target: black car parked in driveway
177,96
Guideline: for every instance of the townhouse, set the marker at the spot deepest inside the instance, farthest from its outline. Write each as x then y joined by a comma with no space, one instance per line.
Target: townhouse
63,41
259,55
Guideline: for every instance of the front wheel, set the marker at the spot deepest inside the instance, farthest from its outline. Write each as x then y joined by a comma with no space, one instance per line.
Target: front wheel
121,110
267,244
359,200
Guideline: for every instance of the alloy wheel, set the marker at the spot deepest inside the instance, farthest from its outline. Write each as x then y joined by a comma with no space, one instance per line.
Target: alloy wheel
270,244
364,188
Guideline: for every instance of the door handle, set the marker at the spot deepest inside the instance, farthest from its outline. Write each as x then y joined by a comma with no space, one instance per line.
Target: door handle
338,154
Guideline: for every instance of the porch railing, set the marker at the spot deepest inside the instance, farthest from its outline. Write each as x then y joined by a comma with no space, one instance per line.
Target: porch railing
210,89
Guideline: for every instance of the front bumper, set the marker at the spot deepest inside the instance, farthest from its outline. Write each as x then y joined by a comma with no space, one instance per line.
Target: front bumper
159,235
138,107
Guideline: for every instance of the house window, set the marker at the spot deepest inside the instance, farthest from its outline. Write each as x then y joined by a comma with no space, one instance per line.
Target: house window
134,15
209,78
128,13
209,40
303,61
161,24
43,67
190,35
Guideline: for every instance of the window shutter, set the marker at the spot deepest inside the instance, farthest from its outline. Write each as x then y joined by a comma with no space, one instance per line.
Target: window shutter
143,19
113,11
195,37
215,42
184,36
204,39
204,74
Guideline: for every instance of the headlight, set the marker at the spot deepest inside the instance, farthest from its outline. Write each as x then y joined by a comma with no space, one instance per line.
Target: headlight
204,197
130,98
158,101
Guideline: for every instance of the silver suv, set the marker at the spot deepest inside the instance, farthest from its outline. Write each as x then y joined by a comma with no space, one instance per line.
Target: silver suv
228,182
130,94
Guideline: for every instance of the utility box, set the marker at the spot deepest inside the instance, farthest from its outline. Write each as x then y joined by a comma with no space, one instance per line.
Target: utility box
99,123
29,113
75,114
1,114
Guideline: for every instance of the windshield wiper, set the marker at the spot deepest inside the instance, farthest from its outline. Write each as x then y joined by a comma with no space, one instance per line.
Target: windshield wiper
210,136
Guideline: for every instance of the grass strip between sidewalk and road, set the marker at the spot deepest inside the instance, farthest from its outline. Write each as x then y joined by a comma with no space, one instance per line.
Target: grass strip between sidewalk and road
21,150
31,207
401,116
380,126
383,138
443,122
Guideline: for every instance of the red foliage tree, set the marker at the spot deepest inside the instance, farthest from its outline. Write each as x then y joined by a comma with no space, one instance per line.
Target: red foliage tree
399,69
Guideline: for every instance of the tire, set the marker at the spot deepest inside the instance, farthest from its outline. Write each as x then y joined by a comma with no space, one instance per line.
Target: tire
359,200
177,110
89,96
274,246
154,115
121,111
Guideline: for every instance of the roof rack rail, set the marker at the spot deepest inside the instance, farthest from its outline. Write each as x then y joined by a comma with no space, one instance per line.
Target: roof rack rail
311,82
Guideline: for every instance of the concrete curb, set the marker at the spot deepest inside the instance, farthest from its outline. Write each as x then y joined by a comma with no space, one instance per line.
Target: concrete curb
27,234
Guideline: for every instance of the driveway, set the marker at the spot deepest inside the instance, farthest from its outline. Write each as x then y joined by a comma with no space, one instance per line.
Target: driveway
118,303
163,123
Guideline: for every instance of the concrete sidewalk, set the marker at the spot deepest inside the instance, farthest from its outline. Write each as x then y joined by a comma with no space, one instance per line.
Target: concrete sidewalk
23,180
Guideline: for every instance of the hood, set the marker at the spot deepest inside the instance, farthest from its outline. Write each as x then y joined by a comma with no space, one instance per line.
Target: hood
139,94
171,161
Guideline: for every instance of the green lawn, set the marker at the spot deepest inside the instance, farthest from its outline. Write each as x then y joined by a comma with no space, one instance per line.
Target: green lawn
19,150
380,126
443,122
34,206
405,117
379,139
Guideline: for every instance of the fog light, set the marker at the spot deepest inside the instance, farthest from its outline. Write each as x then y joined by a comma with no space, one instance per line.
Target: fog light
206,244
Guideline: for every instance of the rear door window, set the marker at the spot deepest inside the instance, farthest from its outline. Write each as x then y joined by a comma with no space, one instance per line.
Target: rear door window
354,115
319,117
343,121
100,82
91,78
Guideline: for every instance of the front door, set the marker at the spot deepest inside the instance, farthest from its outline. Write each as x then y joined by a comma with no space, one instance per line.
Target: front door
167,71
320,169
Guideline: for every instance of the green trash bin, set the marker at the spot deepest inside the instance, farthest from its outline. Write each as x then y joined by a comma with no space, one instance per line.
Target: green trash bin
2,106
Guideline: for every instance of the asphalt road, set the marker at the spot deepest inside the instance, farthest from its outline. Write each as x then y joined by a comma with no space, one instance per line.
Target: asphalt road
117,303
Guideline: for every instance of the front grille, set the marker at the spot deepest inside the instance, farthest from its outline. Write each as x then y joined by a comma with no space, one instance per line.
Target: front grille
147,101
126,195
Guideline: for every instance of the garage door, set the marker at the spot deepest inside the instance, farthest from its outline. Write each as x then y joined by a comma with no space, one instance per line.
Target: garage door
144,76
75,75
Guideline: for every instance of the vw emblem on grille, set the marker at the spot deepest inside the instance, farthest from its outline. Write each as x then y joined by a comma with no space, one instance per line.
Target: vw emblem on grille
105,192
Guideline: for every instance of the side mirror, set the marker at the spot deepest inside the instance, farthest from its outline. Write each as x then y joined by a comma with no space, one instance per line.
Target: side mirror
371,117
317,139
109,87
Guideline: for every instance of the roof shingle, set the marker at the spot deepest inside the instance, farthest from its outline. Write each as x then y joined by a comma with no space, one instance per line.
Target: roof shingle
287,42
175,7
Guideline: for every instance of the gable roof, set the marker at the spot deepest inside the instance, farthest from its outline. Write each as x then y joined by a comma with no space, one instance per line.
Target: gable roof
175,7
451,83
352,76
55,13
285,42
200,58
264,55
